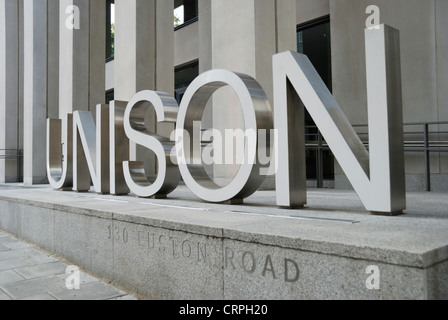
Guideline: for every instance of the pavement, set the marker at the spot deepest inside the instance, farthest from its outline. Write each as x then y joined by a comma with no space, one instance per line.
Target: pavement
28,273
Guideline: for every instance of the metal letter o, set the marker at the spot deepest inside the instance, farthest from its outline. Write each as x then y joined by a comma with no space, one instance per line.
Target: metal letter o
257,116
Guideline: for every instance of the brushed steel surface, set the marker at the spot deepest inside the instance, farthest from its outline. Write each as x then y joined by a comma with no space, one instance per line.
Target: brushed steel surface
377,175
257,115
168,176
59,147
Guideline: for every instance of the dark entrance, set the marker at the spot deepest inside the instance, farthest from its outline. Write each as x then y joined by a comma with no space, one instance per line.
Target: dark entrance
314,40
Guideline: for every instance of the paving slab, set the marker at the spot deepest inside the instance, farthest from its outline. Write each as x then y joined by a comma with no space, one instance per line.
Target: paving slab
32,287
39,297
125,297
31,274
12,254
42,270
16,245
14,263
5,239
40,258
89,291
8,276
84,278
4,296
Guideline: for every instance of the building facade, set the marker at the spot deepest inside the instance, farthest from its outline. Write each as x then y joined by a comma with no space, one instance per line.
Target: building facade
57,57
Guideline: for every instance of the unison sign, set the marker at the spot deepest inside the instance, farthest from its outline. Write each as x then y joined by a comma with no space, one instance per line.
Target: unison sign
100,152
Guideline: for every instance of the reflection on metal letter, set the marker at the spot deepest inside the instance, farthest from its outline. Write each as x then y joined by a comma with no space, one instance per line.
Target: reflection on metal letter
119,148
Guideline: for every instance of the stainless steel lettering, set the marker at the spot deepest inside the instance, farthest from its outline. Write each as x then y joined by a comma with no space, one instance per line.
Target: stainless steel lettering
377,174
378,182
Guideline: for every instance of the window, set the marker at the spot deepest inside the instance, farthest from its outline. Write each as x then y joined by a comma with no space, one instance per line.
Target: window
110,29
314,40
110,95
184,76
185,12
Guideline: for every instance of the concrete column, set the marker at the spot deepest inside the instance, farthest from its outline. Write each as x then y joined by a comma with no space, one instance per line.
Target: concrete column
144,47
40,83
9,87
246,34
164,55
53,59
134,47
144,56
82,55
205,61
440,183
97,54
205,35
286,29
205,50
422,64
441,9
20,114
